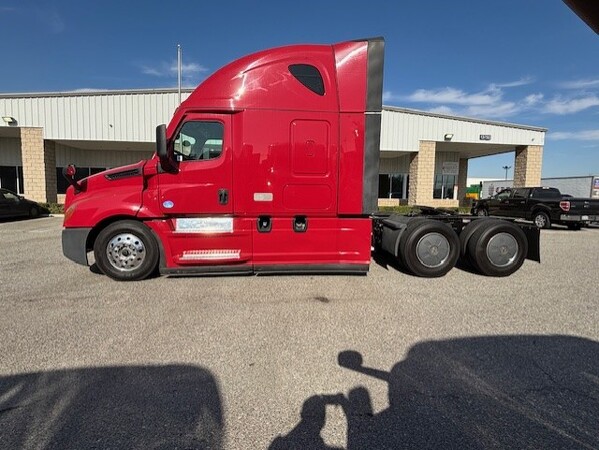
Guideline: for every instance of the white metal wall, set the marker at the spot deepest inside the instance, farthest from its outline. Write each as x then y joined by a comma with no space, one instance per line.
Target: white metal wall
97,158
403,129
400,164
10,152
111,116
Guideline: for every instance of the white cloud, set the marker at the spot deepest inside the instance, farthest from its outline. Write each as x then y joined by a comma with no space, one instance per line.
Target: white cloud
389,96
521,82
569,106
190,72
584,135
455,96
165,69
442,110
579,84
497,110
533,99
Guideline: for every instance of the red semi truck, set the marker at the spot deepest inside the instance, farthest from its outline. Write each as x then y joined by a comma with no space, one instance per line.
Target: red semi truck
271,166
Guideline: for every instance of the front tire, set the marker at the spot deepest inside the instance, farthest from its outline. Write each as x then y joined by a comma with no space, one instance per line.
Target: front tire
126,251
428,248
482,212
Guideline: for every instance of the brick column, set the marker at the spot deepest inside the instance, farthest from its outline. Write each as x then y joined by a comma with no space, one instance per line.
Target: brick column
39,165
463,182
527,165
422,173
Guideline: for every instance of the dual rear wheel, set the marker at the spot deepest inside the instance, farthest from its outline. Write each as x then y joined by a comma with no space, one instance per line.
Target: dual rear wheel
429,248
494,247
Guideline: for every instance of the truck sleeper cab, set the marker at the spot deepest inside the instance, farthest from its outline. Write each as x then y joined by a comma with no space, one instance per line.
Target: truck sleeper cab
269,166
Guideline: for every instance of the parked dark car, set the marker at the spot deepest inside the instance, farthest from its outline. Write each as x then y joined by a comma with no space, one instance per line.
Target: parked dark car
543,205
14,205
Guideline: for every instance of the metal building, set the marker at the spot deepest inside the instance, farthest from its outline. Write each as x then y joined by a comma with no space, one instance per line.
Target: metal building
424,156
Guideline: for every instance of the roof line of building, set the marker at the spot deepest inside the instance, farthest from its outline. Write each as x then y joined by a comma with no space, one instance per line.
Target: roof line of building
91,92
99,92
465,119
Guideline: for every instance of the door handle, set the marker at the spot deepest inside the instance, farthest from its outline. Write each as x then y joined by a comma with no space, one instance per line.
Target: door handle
223,196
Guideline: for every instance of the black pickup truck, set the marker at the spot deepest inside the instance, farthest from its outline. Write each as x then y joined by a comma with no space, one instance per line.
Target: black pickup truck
543,205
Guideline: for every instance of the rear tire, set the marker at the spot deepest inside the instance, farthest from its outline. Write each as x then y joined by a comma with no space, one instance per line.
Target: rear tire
541,220
126,251
499,249
574,226
428,248
34,212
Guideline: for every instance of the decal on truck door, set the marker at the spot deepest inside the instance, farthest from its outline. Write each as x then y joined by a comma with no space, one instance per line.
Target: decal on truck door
204,225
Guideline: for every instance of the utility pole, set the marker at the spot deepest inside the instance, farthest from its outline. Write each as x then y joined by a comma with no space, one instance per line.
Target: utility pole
506,168
179,70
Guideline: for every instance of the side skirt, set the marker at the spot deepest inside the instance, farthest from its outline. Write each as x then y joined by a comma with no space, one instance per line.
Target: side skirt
306,269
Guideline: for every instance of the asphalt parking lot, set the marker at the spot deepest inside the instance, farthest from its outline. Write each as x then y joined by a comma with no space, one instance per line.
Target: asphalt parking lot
379,361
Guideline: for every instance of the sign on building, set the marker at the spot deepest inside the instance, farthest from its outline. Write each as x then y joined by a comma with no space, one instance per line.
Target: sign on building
450,168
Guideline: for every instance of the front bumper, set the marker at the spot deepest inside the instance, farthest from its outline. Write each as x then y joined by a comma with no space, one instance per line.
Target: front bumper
74,242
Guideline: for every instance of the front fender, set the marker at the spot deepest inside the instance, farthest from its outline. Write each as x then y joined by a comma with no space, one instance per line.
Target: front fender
94,207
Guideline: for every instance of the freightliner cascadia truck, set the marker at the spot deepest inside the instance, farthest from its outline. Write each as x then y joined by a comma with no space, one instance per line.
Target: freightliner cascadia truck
271,166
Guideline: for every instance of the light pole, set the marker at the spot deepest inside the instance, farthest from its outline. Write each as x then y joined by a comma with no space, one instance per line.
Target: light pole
506,168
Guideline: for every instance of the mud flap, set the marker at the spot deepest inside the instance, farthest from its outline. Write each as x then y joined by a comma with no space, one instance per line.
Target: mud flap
534,243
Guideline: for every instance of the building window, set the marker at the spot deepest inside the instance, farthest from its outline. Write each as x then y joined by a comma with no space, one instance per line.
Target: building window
82,172
444,186
393,185
11,178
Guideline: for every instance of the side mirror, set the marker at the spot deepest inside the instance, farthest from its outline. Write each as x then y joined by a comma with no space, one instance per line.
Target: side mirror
166,162
69,173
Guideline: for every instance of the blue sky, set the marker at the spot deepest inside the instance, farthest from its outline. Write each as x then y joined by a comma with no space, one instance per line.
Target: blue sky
532,62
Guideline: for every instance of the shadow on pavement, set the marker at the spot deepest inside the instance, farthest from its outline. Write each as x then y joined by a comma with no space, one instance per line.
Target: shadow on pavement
482,392
157,407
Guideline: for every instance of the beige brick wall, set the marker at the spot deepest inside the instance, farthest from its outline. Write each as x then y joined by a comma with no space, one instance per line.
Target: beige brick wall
422,174
388,202
462,181
39,165
527,165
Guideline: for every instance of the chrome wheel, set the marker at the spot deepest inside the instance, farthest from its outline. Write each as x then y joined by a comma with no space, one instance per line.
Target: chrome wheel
540,220
125,252
502,249
432,250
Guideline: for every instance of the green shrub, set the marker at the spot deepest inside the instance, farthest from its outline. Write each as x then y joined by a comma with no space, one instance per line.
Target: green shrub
52,208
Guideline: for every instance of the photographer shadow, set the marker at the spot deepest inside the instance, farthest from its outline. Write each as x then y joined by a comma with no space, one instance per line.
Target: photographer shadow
480,392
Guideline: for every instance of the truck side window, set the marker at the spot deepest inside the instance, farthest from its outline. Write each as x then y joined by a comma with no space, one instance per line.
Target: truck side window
309,76
520,193
199,141
503,194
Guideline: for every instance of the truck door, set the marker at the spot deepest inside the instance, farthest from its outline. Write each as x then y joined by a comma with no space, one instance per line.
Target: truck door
499,203
204,179
516,204
198,199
